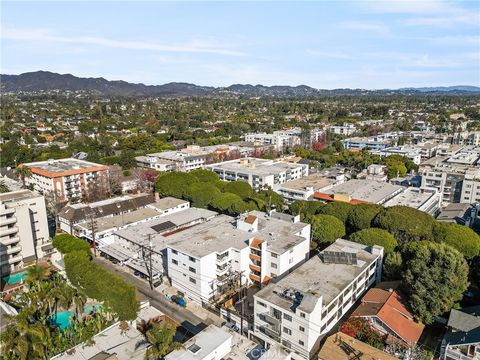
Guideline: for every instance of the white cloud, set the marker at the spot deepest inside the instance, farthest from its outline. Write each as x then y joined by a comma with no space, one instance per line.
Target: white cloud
44,35
365,26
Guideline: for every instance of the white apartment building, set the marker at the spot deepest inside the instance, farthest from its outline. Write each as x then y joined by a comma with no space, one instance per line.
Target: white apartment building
23,230
259,172
411,153
297,310
305,187
256,246
471,187
282,140
347,129
67,178
428,200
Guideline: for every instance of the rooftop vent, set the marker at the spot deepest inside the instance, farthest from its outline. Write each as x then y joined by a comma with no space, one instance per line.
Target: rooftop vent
194,348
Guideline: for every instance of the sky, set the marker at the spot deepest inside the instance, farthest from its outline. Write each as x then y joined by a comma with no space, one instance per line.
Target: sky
324,44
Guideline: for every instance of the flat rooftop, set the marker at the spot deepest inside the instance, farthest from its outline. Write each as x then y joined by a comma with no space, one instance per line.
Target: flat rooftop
63,165
116,221
453,211
366,190
139,232
168,203
19,195
255,166
412,197
221,233
316,181
317,279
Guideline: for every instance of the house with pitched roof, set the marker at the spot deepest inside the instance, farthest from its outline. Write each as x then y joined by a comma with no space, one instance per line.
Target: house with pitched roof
386,311
462,339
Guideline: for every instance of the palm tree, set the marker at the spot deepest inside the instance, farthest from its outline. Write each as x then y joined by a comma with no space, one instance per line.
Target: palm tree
78,299
160,341
37,273
25,340
23,172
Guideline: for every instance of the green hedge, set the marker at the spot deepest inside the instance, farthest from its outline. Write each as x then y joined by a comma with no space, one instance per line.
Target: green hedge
66,243
102,285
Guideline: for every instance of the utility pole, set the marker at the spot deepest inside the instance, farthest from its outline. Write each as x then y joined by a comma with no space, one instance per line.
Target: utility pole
93,229
241,300
149,266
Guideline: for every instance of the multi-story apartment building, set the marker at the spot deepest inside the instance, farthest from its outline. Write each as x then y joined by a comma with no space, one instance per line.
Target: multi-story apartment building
252,249
259,172
23,230
347,129
471,187
68,178
283,140
365,143
297,310
305,187
427,200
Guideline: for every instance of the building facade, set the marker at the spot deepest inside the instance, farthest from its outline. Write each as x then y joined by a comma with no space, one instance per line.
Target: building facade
24,234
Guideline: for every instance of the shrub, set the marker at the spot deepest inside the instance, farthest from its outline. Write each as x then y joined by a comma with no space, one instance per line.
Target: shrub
66,243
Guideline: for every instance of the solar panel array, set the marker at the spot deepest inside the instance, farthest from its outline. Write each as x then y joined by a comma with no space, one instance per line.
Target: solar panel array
163,226
339,257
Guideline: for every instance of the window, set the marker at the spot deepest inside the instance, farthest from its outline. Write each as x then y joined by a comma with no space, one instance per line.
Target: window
261,304
174,262
301,328
274,255
192,280
287,331
290,261
192,259
175,252
302,314
301,342
287,317
273,265
193,270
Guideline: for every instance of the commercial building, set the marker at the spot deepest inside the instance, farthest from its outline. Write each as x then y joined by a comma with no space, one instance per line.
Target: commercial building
68,179
73,214
386,312
297,310
23,230
252,249
424,199
259,173
357,191
305,187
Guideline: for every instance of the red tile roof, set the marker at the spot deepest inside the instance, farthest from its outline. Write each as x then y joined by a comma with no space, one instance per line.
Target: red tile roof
250,219
329,197
389,308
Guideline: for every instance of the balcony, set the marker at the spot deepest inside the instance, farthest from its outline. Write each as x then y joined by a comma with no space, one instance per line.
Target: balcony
272,320
456,354
8,231
11,260
222,258
255,257
271,333
8,221
13,250
255,278
255,267
9,240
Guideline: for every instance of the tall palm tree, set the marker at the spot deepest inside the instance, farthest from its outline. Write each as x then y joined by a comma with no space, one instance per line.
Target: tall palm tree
23,172
78,300
25,340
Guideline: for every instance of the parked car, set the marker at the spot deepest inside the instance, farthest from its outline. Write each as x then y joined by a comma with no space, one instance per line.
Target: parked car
157,283
232,327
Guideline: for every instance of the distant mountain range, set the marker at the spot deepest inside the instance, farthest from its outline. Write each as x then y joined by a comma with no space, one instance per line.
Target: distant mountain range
48,81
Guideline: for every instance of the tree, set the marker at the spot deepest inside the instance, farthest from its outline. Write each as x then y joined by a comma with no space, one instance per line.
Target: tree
174,184
392,266
460,237
338,209
202,194
326,229
66,243
240,188
359,328
23,172
160,338
361,216
406,224
306,209
434,279
374,236
229,203
205,175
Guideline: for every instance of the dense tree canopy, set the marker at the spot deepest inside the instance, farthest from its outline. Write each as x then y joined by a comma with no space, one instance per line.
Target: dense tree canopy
202,194
240,188
174,184
392,266
435,276
338,209
406,224
460,237
229,203
306,209
361,216
326,229
374,236
66,243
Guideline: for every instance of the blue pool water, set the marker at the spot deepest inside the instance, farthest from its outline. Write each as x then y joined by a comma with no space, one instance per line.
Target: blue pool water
62,319
90,308
15,278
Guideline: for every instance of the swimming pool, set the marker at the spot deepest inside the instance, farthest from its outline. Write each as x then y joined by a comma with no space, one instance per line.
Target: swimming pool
90,308
62,319
15,278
